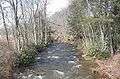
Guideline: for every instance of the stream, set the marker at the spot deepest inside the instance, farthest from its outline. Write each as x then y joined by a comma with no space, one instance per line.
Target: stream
58,61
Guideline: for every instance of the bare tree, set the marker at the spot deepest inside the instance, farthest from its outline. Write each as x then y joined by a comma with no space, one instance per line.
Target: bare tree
6,30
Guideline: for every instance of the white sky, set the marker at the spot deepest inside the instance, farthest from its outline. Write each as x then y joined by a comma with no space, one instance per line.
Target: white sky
56,5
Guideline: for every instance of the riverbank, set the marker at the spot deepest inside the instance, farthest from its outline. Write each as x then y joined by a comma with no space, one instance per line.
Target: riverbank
109,69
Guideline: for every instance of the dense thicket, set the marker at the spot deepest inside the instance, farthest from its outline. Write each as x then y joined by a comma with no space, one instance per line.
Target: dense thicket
96,24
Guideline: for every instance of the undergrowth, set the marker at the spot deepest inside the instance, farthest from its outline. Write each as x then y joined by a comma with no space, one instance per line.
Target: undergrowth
28,55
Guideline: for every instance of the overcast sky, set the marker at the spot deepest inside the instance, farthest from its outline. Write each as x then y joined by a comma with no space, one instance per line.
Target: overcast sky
56,5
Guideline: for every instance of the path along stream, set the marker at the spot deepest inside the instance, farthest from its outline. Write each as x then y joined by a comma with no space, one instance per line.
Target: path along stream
59,61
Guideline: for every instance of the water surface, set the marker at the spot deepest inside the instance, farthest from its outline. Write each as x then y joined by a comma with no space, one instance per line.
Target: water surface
58,61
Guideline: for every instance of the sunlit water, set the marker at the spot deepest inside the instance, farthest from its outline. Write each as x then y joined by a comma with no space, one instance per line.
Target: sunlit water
57,62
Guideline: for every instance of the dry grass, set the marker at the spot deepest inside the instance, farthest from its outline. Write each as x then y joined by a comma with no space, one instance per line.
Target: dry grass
6,59
110,69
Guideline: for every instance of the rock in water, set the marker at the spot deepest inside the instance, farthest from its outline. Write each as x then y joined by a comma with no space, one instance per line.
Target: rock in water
38,77
54,74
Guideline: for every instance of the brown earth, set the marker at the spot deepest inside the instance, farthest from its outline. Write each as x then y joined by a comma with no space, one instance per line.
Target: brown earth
109,69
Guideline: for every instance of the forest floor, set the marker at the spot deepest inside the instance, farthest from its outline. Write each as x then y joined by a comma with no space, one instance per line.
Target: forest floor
58,61
109,69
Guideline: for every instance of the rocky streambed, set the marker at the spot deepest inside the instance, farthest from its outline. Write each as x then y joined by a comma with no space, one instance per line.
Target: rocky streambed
58,61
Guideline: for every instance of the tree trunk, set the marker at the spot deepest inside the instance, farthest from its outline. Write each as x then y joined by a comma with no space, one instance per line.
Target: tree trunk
6,30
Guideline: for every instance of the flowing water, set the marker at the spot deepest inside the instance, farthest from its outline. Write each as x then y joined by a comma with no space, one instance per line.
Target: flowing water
58,61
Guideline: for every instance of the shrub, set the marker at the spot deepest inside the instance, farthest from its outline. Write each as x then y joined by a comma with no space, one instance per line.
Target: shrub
27,57
104,55
94,52
40,47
